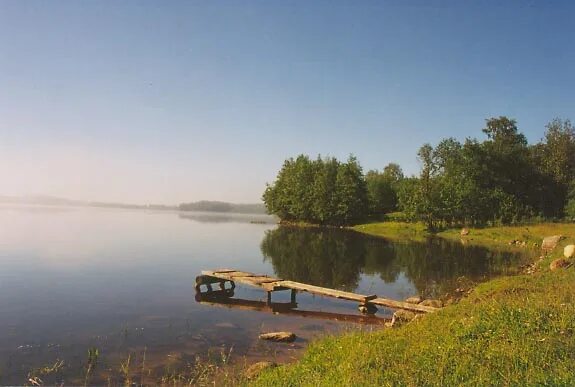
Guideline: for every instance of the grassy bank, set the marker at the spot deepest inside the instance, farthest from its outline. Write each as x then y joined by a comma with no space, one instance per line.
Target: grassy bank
488,237
395,230
510,331
497,236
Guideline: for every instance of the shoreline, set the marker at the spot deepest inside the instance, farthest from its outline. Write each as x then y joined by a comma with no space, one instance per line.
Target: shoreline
515,329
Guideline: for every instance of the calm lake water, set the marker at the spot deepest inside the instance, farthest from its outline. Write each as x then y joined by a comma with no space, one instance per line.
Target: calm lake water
122,281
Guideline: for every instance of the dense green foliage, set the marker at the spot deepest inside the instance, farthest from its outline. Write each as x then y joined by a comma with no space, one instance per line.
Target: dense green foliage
382,188
510,331
500,180
321,191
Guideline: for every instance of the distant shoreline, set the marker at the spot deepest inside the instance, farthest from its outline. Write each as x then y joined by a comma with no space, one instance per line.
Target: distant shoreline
200,206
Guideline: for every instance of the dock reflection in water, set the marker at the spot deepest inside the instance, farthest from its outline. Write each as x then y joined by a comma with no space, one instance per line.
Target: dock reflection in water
224,298
350,261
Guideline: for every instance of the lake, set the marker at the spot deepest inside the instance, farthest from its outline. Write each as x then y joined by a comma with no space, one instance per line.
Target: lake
122,282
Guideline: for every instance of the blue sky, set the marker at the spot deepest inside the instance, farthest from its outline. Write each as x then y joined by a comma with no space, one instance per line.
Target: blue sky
154,101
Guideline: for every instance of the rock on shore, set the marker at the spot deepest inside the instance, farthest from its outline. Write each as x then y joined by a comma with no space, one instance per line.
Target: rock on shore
282,337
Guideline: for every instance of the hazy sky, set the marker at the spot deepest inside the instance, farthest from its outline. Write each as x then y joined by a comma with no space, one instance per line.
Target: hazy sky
166,101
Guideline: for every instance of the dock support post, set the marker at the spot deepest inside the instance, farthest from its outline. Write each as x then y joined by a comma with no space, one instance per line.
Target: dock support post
293,293
367,308
269,300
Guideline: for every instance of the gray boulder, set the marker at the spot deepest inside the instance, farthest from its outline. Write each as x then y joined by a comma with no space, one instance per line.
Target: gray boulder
550,242
282,337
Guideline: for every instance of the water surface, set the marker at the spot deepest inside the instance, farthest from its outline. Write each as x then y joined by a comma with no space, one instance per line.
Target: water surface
122,281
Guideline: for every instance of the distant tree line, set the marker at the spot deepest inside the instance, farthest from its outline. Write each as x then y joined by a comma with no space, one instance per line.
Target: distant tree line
500,180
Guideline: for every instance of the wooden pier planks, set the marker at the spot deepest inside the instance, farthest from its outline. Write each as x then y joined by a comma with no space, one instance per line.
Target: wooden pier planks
402,305
263,281
271,284
327,291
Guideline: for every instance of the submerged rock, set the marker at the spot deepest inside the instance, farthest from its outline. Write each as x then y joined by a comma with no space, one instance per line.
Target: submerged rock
414,300
559,263
283,337
568,251
255,369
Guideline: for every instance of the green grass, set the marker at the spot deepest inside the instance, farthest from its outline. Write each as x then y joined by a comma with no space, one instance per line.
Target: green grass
394,230
493,236
489,237
510,331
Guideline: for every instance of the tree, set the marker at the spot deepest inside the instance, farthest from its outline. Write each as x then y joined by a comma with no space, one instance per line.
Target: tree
499,180
418,197
475,182
321,191
382,189
503,131
559,151
351,192
393,172
324,191
427,188
570,204
554,160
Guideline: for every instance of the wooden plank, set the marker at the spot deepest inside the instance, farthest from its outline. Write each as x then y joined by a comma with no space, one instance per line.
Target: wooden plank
274,286
326,291
271,284
257,280
402,305
236,273
240,274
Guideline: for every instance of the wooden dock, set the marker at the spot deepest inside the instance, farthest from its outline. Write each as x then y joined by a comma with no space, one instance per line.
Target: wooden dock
271,284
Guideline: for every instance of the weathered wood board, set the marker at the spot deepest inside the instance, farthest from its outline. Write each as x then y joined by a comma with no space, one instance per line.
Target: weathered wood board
326,291
271,284
402,305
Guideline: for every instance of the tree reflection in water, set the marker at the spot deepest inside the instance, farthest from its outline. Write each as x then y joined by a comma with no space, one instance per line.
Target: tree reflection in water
337,258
